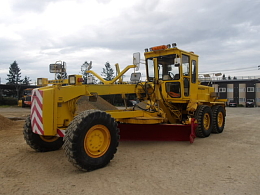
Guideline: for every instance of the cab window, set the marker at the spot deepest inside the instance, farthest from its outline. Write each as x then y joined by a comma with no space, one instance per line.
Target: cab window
167,69
173,89
185,65
150,69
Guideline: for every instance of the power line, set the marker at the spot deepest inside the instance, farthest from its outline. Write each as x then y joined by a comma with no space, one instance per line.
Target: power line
235,69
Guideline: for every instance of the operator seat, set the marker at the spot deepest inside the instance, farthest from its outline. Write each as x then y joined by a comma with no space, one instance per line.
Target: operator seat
166,77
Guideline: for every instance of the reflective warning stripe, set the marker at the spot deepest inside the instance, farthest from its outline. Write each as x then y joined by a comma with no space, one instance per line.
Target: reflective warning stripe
60,132
36,111
36,114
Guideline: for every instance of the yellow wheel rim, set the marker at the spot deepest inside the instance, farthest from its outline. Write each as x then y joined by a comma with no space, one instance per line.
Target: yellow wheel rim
49,138
206,121
220,119
97,141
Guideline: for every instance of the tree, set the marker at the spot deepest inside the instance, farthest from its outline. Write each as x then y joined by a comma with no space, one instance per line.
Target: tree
26,80
108,72
14,76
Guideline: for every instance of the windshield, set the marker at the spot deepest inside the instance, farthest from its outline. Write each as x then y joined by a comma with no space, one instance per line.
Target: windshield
166,68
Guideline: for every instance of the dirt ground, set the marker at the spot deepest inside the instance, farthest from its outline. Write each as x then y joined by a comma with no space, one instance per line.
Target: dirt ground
227,163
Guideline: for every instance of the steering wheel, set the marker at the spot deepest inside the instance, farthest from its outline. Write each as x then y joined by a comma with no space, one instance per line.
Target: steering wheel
171,75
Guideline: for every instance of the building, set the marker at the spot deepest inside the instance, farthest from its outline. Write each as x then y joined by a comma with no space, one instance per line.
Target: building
239,90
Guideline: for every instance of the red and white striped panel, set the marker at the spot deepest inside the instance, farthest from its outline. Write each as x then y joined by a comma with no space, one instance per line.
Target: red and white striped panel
60,132
36,111
36,114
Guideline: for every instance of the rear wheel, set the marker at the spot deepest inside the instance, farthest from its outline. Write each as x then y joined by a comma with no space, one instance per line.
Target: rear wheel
218,119
204,117
91,140
40,143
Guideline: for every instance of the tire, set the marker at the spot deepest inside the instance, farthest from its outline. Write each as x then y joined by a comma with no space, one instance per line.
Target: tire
91,140
40,143
219,116
204,118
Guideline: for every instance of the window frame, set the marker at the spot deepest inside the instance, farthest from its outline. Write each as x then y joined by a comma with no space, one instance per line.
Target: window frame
248,89
222,90
193,71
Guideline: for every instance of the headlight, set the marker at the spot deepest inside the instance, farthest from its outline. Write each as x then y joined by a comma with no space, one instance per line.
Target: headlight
72,79
39,81
75,80
42,81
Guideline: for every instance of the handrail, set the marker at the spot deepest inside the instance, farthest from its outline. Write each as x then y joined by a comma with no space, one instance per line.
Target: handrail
114,79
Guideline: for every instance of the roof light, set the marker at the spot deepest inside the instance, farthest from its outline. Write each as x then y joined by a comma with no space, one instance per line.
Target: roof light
174,45
156,48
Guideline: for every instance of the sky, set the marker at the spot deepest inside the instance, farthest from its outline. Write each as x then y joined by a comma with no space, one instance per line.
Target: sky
225,34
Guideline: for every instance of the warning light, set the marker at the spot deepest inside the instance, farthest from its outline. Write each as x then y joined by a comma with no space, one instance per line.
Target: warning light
156,48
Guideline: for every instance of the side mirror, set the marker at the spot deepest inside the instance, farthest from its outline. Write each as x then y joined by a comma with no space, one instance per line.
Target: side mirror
136,60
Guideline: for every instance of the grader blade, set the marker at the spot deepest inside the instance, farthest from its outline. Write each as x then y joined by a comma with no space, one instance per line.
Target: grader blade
157,132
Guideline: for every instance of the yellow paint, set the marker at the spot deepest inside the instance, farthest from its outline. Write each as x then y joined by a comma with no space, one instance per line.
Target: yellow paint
48,112
162,107
97,141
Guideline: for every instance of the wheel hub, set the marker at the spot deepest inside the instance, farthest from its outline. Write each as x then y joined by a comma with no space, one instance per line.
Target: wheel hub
97,141
206,121
220,119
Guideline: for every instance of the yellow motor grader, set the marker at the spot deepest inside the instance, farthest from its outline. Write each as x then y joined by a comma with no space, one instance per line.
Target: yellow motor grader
173,106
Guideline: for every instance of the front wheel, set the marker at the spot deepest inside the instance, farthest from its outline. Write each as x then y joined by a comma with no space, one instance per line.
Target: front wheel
40,143
91,140
204,117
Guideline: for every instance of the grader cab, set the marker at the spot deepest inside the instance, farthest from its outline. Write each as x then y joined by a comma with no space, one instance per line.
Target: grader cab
173,106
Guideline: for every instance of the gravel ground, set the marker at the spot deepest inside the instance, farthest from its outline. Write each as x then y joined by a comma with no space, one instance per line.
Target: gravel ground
227,163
